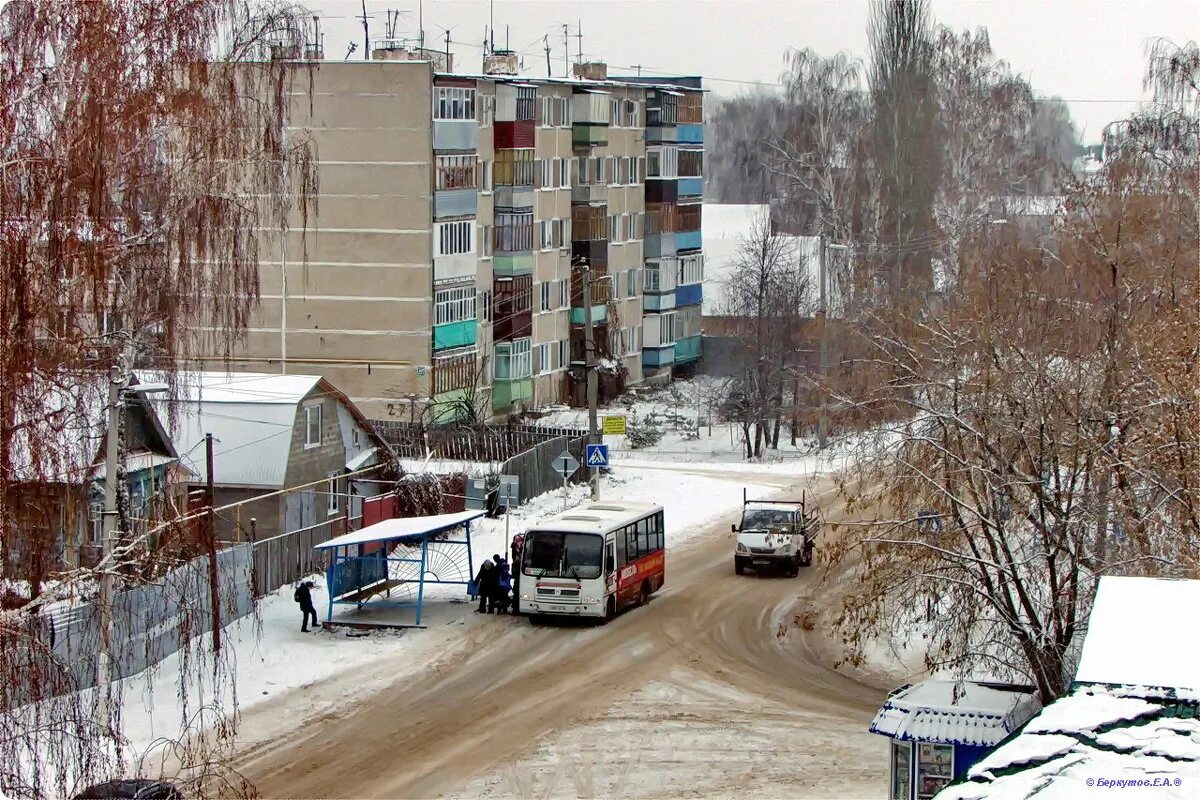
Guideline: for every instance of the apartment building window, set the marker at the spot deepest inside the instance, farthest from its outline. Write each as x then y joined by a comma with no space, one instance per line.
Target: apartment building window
591,171
453,102
312,425
513,360
513,232
526,97
545,296
564,293
616,229
564,173
455,238
691,269
691,163
691,108
331,495
589,223
456,172
625,114
564,352
554,173
485,305
662,162
454,305
514,167
553,233
631,281
485,241
487,110
554,112
662,109
485,175
543,356
666,328
689,217
660,276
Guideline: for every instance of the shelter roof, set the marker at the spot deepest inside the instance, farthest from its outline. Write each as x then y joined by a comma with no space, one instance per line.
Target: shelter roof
955,712
402,528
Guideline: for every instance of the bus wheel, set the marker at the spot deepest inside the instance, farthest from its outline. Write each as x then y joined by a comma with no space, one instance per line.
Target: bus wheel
610,608
644,594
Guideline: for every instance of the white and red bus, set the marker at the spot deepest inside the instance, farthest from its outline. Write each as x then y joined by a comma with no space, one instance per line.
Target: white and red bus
593,561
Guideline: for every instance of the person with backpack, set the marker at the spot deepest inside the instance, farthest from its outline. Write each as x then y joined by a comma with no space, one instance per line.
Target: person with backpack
303,596
483,585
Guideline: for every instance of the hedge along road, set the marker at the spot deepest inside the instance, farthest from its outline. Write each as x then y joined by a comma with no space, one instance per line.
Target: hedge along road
487,708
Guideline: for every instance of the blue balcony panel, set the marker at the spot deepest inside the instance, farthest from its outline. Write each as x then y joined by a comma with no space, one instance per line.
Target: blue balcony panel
687,350
658,356
691,187
691,294
690,133
454,334
687,240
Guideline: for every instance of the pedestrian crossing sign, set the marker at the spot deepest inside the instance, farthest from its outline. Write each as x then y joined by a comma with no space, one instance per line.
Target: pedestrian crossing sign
596,455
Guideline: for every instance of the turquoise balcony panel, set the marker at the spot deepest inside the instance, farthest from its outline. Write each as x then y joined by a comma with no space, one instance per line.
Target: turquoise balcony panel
454,334
509,265
599,314
691,187
687,350
690,133
505,393
688,240
658,356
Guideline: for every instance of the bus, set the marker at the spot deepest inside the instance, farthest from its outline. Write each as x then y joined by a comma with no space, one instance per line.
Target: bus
593,561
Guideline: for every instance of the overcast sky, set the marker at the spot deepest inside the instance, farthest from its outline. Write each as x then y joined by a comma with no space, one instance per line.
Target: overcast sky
1089,52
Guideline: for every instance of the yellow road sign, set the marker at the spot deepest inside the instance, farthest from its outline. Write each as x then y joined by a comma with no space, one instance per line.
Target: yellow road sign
614,425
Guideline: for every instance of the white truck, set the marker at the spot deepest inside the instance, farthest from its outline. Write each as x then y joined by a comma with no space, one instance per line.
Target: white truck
775,535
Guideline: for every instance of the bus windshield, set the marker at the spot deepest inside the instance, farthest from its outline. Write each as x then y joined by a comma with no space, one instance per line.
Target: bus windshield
548,554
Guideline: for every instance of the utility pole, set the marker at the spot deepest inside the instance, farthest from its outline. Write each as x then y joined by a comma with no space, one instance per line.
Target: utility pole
566,50
579,36
112,457
211,542
823,420
546,43
366,33
589,361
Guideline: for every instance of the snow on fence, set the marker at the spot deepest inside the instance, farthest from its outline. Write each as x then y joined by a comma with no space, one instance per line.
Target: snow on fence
149,622
482,443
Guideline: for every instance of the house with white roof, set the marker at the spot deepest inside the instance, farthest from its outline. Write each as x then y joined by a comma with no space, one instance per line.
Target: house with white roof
270,433
1131,721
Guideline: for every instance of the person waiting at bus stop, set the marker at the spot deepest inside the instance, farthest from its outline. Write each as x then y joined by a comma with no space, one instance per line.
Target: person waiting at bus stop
517,541
501,600
484,581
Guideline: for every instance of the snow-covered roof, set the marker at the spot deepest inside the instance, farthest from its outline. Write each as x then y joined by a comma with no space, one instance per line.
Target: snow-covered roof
1095,733
1135,636
250,415
401,528
597,517
953,712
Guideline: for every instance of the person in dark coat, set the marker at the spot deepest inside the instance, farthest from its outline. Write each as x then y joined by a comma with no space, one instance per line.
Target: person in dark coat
517,542
303,596
484,580
503,587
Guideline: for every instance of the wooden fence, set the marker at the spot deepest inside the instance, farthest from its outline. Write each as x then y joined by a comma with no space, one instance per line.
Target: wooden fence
483,443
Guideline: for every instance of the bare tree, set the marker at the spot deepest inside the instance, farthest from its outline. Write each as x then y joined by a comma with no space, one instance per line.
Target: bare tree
146,151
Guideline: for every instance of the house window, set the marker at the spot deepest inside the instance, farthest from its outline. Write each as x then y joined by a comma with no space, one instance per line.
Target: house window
455,238
454,305
331,493
453,102
354,437
96,523
456,172
545,296
312,425
513,360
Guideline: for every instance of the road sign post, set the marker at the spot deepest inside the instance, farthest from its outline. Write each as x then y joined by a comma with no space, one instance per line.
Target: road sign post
565,465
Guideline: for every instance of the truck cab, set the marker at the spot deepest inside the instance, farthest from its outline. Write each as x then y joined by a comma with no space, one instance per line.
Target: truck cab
775,537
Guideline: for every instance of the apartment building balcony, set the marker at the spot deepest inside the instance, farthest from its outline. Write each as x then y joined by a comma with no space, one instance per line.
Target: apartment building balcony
585,134
599,314
688,240
689,133
662,190
659,245
508,392
686,187
691,294
512,308
455,203
659,301
458,267
589,193
687,349
454,334
593,252
454,377
513,197
514,134
455,134
661,134
512,325
653,357
510,264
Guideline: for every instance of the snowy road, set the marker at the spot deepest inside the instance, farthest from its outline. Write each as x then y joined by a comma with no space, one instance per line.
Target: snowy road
710,690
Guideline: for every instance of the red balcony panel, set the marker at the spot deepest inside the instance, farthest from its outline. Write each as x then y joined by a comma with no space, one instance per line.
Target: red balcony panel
514,134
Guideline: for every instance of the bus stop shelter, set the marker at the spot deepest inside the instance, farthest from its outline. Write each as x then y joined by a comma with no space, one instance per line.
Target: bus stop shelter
367,565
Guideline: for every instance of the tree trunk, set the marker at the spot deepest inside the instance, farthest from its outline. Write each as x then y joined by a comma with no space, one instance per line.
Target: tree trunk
795,407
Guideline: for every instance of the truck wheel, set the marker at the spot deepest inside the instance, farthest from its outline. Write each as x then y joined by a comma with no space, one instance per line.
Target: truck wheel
806,561
793,568
738,568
